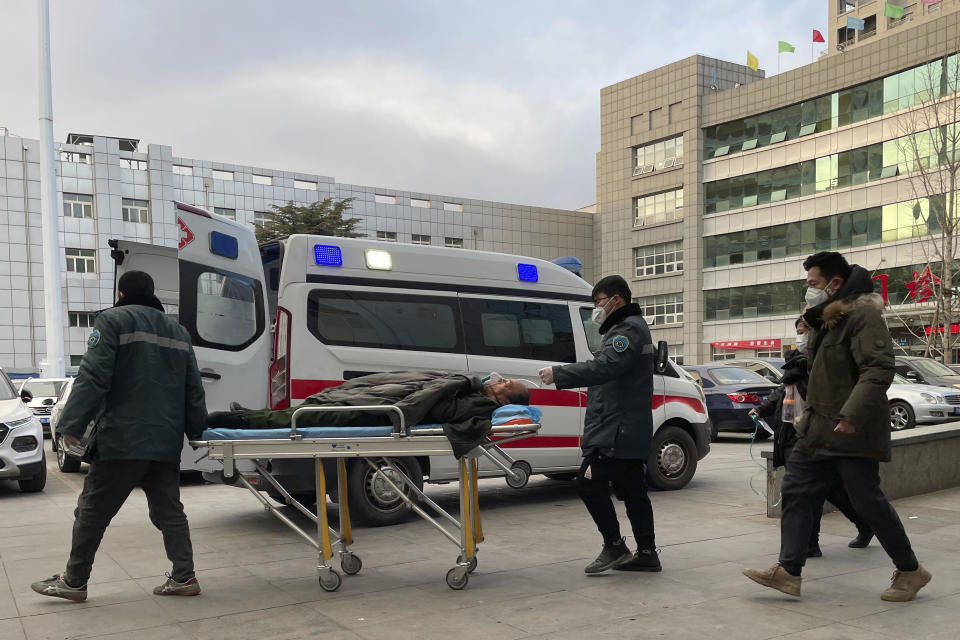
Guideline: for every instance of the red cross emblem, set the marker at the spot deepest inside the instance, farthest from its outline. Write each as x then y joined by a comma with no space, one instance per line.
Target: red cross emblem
186,236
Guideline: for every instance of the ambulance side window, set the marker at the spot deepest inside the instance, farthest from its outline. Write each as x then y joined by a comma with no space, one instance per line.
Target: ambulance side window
591,329
518,329
385,320
220,309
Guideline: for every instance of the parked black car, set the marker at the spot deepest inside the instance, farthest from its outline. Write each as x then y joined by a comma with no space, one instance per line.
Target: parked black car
731,393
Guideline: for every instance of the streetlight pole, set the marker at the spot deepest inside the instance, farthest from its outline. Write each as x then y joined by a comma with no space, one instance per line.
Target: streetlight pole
53,367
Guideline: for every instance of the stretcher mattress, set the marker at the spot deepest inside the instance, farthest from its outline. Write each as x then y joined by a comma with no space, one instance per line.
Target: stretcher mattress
507,414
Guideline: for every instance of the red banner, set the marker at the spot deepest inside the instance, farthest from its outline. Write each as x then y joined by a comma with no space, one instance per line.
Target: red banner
954,328
769,343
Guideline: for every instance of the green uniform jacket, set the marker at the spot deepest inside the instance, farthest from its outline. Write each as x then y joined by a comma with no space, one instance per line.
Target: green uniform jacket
852,367
619,419
139,382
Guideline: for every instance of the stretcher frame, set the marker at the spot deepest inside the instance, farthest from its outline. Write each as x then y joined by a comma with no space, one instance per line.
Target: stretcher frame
466,533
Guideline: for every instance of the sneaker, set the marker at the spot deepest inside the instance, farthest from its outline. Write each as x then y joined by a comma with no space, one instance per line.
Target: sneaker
57,587
173,588
905,584
643,560
861,541
611,556
776,577
814,552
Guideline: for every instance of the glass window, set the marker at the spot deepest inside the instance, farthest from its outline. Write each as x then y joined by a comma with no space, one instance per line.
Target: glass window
658,155
383,199
658,208
518,329
81,260
591,329
420,204
77,205
736,375
83,319
417,238
385,321
260,218
453,243
136,210
264,180
387,236
226,213
182,170
452,206
221,175
662,309
44,388
658,259
226,309
309,185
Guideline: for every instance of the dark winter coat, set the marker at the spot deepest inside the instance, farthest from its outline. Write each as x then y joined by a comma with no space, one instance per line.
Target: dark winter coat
453,400
139,381
851,368
771,409
619,380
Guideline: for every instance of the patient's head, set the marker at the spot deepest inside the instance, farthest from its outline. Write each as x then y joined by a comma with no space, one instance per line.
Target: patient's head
507,391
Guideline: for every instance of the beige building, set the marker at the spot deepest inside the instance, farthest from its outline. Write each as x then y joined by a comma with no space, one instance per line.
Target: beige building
714,182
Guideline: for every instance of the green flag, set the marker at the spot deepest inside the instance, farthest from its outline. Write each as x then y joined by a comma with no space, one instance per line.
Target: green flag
784,47
892,11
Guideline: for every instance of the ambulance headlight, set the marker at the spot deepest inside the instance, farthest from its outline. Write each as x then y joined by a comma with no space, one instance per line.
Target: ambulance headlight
379,259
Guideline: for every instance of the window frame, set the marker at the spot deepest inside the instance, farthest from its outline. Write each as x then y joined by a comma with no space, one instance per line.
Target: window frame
85,205
190,273
89,258
473,308
131,204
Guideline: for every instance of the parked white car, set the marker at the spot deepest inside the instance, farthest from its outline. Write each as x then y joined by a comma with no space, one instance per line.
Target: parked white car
65,462
45,392
912,404
21,440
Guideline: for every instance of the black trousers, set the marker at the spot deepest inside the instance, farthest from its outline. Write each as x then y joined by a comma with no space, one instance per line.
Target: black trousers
807,483
626,479
837,496
105,489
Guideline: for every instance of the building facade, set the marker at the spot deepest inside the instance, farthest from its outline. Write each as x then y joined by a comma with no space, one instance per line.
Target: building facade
715,182
117,188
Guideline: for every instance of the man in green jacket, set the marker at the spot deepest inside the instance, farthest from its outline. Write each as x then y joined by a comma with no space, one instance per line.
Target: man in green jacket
844,433
139,383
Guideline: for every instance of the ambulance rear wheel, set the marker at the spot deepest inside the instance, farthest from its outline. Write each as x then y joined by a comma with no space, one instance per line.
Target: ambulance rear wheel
372,500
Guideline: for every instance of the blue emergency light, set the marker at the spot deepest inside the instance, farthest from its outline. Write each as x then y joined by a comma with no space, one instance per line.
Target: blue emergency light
327,255
527,272
224,245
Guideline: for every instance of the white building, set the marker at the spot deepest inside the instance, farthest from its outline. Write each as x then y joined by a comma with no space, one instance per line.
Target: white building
111,188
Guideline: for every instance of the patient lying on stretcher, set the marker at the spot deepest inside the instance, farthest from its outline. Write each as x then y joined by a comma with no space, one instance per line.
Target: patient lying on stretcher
462,404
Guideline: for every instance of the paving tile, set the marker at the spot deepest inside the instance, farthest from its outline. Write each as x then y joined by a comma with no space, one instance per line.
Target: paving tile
912,620
70,621
378,607
465,625
224,592
835,631
295,622
11,630
549,612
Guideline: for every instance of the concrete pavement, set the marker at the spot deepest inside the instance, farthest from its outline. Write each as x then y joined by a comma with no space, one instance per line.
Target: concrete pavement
259,579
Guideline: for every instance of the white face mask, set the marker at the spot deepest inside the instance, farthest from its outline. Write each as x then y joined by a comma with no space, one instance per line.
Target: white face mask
599,314
801,342
815,297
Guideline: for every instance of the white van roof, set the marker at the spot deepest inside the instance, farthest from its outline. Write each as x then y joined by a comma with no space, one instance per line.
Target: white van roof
309,258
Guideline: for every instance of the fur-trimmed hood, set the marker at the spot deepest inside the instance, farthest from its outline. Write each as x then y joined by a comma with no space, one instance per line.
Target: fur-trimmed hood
837,310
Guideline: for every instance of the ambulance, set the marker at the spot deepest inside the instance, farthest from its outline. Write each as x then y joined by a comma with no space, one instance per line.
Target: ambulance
274,324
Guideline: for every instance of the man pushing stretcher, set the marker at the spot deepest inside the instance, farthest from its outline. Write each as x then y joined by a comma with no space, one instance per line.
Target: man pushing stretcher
462,404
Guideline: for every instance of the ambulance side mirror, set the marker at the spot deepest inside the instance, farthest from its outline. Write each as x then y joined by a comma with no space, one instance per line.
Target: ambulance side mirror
660,366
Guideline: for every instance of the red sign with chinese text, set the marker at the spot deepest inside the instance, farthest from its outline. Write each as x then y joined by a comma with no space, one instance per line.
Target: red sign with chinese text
769,343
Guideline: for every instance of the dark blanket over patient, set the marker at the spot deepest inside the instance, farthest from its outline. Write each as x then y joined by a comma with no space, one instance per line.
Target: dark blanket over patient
455,401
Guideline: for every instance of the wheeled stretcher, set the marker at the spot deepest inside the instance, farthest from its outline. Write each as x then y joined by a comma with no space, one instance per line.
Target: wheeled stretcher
374,445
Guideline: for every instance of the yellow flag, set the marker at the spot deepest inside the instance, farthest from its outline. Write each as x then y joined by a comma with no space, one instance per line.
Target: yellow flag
752,61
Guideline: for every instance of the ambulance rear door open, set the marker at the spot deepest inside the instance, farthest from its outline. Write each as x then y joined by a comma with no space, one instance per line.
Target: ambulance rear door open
214,283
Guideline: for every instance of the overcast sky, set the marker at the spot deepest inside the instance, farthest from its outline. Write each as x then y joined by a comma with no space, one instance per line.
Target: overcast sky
491,99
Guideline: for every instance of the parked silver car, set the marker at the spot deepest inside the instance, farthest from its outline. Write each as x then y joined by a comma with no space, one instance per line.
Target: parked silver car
65,462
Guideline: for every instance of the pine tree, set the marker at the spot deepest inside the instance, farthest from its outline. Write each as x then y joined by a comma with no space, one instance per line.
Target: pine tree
325,218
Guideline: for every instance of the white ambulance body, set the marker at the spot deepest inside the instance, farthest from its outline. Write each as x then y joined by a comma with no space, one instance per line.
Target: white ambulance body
346,307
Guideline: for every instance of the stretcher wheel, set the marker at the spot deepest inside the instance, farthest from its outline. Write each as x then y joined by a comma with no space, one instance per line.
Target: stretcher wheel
473,563
234,479
350,564
522,470
332,581
454,583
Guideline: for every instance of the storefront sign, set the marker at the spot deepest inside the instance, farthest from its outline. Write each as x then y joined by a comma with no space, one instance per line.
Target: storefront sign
770,343
954,328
